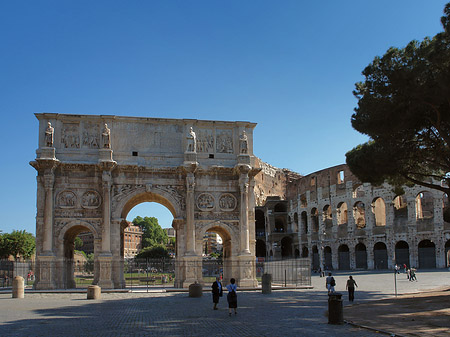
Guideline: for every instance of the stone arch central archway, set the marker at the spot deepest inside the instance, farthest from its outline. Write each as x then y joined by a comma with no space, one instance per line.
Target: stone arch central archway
95,169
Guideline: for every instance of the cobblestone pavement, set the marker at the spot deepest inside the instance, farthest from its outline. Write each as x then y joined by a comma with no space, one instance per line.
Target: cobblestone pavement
282,313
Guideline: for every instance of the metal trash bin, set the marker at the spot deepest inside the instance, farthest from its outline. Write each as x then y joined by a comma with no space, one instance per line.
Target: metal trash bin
335,308
267,283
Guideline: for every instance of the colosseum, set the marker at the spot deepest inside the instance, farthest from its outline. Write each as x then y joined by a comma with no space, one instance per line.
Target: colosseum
341,223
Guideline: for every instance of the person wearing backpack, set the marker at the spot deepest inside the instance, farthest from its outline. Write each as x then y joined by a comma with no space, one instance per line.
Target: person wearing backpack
232,296
330,283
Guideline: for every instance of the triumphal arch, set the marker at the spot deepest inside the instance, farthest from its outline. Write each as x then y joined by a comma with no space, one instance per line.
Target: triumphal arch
92,170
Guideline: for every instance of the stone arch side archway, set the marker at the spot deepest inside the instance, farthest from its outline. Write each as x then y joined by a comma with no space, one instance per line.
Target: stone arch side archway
65,237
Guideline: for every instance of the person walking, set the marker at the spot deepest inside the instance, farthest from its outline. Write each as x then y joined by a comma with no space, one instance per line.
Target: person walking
232,297
330,283
351,284
217,292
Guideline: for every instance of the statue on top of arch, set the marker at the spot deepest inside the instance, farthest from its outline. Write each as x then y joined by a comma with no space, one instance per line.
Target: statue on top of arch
106,137
49,135
243,143
191,141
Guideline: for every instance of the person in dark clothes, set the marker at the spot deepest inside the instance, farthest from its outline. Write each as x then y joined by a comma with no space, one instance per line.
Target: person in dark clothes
217,292
351,284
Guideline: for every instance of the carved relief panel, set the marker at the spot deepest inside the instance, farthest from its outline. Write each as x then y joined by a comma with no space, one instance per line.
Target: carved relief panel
205,141
70,136
205,202
227,202
90,199
66,199
91,138
224,141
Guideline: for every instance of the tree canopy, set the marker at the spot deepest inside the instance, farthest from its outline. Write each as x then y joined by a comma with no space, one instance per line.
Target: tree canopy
153,234
154,252
18,244
404,107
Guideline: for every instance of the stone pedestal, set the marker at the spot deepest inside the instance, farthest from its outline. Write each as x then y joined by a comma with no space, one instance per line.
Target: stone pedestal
105,280
18,287
46,153
94,292
246,265
45,273
105,155
192,266
244,159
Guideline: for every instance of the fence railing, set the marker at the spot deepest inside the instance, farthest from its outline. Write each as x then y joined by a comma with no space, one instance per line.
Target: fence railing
145,273
10,269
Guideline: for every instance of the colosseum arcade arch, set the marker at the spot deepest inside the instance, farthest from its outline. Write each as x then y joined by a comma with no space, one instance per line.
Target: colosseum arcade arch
91,170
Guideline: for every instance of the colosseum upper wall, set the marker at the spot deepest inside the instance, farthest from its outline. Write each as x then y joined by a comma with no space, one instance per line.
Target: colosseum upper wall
341,223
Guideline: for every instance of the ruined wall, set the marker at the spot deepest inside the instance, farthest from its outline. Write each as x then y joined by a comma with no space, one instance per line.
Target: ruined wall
271,181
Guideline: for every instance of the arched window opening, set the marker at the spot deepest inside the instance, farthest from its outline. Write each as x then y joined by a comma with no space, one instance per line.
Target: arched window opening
304,222
380,255
303,201
424,206
379,211
328,256
315,258
359,214
342,213
327,216
295,222
360,256
280,224
402,254
286,247
315,220
340,177
260,248
427,254
260,223
447,254
305,252
344,257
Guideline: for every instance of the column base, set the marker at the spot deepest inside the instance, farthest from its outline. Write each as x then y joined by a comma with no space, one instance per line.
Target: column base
45,272
105,278
247,273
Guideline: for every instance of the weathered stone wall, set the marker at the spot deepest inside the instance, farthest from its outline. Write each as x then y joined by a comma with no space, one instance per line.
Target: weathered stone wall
342,223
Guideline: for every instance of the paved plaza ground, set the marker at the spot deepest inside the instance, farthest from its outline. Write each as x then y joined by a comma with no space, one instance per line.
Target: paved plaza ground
157,313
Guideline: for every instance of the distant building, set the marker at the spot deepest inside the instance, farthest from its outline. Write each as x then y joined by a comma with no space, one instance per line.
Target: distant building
88,242
132,240
170,232
210,243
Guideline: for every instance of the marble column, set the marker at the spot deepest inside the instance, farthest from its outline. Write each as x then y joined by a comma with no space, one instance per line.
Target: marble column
105,258
47,244
190,224
243,218
106,232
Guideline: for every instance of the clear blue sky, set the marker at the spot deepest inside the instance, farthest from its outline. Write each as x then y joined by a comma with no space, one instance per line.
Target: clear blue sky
289,66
